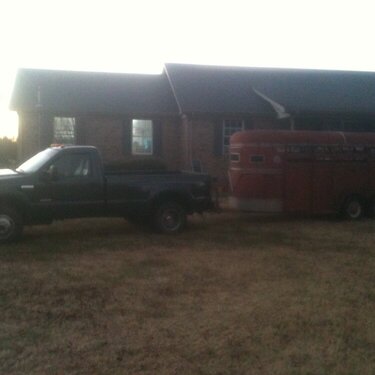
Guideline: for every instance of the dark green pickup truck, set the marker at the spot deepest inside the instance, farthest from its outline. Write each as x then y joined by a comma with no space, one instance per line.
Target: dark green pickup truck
70,182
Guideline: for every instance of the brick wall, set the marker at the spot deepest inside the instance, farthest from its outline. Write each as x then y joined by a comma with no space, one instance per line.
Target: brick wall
28,142
171,143
270,123
203,138
197,143
103,132
107,134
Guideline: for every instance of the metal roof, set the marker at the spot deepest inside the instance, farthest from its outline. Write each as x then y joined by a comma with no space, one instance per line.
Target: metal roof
198,89
202,88
87,92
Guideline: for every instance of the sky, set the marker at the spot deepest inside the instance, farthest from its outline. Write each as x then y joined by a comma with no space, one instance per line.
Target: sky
139,36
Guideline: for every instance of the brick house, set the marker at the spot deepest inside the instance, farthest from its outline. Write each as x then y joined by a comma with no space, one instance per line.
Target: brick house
185,115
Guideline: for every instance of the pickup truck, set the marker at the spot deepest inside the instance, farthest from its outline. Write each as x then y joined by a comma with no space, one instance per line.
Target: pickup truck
64,182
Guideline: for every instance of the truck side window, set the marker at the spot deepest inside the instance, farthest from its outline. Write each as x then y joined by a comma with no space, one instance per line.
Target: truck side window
72,166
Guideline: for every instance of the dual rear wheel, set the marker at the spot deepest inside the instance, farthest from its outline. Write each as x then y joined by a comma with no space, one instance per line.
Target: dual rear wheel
167,217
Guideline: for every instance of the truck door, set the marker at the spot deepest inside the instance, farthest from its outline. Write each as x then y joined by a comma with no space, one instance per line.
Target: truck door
74,188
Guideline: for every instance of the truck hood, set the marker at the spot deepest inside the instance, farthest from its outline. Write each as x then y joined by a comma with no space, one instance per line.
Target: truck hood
7,172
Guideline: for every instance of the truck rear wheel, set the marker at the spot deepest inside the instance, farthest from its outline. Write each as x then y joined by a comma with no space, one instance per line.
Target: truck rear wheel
353,208
11,224
170,217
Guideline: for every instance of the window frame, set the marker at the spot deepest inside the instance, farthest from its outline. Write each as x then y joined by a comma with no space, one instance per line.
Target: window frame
132,150
224,136
54,138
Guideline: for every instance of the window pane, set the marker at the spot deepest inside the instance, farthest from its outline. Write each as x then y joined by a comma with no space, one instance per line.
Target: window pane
230,127
64,130
142,137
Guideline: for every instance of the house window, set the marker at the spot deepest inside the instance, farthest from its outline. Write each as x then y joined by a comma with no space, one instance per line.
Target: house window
64,130
142,137
230,127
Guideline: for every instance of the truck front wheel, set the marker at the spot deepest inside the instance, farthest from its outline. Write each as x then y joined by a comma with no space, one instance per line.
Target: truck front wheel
11,224
353,208
170,217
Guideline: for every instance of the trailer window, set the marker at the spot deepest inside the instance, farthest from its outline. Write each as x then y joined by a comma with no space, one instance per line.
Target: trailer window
235,157
257,158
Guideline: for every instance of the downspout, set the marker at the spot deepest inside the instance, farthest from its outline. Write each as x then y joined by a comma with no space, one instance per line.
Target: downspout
187,162
38,107
184,118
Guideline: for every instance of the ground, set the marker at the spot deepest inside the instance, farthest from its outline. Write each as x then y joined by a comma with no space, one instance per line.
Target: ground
233,294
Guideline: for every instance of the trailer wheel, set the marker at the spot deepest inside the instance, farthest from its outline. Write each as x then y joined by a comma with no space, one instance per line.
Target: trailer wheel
11,224
170,217
353,208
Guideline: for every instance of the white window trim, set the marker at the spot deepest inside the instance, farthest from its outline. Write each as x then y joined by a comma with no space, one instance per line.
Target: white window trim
74,128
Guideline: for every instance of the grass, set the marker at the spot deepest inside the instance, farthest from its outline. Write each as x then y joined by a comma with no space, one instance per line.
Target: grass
234,294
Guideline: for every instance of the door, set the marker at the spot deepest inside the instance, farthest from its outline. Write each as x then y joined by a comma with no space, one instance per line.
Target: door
72,188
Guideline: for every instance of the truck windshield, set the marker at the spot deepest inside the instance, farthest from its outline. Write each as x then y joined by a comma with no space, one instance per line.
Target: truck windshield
37,161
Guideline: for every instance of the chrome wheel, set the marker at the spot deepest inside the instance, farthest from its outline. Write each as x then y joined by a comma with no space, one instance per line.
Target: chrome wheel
170,217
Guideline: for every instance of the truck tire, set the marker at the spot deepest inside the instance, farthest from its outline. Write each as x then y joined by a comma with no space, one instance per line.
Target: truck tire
353,208
11,224
169,217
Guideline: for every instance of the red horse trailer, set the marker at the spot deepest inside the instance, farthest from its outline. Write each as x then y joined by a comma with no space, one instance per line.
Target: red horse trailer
303,172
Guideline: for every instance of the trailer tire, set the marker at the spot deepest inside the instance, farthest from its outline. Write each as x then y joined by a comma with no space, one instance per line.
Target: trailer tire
11,224
170,217
353,208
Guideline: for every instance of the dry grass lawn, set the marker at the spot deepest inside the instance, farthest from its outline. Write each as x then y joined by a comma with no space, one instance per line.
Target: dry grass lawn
234,294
